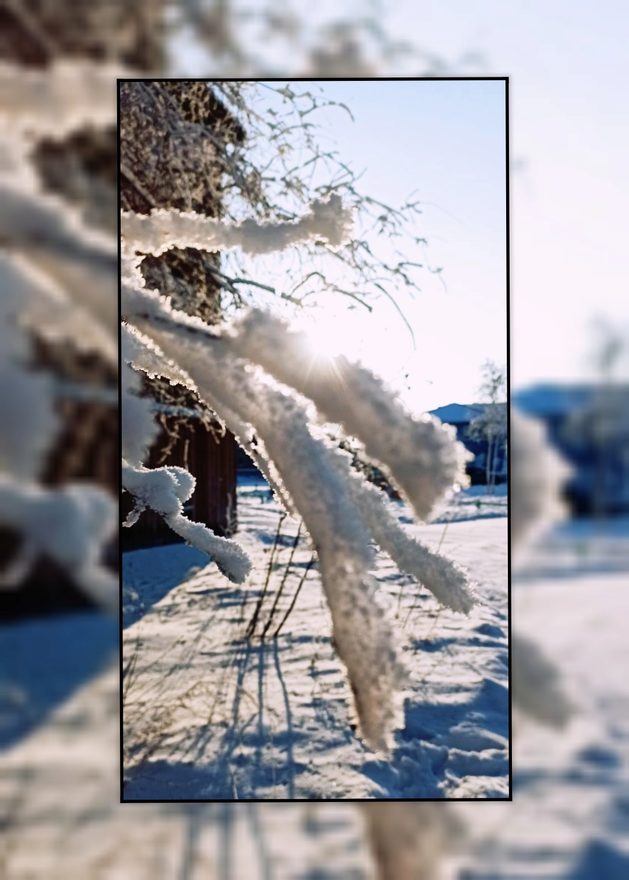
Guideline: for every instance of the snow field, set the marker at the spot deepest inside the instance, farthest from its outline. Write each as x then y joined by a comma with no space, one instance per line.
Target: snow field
210,715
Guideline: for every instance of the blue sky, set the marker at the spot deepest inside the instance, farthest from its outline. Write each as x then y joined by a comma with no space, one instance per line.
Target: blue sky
568,66
445,141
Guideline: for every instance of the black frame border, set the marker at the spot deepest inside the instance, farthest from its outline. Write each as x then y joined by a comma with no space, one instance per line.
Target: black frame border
505,80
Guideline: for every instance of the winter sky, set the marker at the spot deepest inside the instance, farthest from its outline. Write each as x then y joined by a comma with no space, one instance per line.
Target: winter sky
568,67
569,136
444,142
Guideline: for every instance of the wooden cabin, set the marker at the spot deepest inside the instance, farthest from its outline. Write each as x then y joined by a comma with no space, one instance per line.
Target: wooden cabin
192,440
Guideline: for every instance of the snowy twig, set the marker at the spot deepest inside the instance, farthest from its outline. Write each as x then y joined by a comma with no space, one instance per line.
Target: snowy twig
293,601
70,525
164,490
280,589
420,454
164,229
251,626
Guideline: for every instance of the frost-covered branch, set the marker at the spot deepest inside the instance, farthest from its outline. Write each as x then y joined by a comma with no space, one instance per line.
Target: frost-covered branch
361,632
419,453
140,351
164,490
58,99
316,478
446,581
70,525
163,229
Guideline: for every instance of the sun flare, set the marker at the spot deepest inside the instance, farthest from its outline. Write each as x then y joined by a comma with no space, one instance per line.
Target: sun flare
329,336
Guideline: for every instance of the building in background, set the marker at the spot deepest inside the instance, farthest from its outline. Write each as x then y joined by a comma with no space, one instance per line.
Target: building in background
481,427
589,425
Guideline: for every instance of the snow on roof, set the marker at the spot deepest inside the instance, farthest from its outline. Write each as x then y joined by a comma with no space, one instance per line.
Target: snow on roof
458,413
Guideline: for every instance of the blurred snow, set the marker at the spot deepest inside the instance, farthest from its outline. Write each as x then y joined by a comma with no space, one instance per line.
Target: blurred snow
59,783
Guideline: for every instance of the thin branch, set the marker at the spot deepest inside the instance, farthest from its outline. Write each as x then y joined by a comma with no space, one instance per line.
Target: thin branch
256,612
282,583
295,597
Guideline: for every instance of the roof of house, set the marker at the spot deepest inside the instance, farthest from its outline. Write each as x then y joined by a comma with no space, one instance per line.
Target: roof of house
460,413
545,399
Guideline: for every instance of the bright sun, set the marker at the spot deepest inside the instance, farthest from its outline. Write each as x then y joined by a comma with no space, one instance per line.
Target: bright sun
330,335
325,344
379,342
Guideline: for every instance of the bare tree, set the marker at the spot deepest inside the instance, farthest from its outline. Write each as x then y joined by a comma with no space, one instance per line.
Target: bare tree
491,424
602,422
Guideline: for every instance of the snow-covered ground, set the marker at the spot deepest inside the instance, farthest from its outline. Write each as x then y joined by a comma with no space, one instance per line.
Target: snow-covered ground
570,813
59,782
210,714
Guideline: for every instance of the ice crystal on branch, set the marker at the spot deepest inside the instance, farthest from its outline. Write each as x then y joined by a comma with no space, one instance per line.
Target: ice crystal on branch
420,454
164,490
163,229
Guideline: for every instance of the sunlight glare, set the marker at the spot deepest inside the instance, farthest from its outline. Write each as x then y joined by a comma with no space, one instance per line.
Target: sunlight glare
327,340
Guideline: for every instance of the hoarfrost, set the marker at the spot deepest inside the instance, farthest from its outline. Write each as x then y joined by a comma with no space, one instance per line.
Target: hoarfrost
419,453
141,352
446,581
164,229
70,525
323,493
237,370
164,490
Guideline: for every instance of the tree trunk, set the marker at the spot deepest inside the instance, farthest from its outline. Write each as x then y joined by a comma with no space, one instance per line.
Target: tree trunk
170,157
490,442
